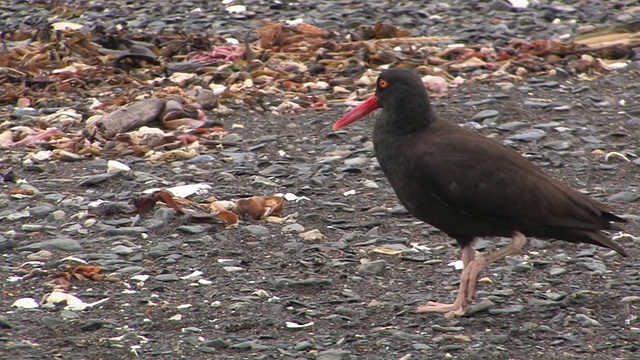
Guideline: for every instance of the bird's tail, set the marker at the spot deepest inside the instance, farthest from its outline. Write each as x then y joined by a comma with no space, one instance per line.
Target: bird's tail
599,238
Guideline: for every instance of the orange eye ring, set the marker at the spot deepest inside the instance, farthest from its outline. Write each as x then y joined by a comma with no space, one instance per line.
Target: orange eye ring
382,84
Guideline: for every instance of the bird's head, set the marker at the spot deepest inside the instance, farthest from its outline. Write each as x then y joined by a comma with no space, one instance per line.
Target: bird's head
399,91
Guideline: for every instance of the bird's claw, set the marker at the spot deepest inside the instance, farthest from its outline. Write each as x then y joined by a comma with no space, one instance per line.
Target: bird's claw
450,310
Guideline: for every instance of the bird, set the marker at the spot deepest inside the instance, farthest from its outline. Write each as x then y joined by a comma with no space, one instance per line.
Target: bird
470,186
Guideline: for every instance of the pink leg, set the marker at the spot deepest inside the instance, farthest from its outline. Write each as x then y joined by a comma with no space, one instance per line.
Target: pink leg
469,277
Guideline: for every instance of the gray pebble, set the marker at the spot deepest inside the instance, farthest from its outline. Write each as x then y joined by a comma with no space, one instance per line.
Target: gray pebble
482,305
91,325
480,102
216,344
507,310
334,354
292,228
557,271
257,230
194,229
512,126
624,196
42,211
303,345
498,338
595,266
558,145
62,244
376,267
421,346
122,250
167,277
587,321
528,135
401,335
249,345
484,114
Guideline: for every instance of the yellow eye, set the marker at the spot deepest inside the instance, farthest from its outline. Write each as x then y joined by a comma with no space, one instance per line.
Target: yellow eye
382,84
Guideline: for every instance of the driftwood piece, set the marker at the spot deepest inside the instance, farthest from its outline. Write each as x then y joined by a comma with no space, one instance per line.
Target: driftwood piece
125,119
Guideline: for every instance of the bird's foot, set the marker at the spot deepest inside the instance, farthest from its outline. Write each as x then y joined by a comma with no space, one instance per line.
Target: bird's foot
450,310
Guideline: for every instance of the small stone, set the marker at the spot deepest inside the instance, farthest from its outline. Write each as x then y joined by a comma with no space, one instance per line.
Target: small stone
484,114
498,338
500,5
303,346
373,268
257,230
334,354
587,321
624,196
62,244
557,271
292,228
512,126
91,325
249,345
558,145
216,344
595,266
529,135
506,310
167,277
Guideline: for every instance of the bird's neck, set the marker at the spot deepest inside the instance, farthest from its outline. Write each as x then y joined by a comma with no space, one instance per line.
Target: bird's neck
414,117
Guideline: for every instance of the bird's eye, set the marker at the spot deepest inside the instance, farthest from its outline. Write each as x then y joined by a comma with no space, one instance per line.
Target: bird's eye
382,84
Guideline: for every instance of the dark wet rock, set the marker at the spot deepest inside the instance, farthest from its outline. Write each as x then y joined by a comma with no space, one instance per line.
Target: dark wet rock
216,344
91,325
62,244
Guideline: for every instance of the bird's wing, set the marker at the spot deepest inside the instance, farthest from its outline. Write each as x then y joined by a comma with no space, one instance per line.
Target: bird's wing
488,180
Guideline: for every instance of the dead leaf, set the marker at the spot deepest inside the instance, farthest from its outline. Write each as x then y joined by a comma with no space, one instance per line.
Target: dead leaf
145,204
259,207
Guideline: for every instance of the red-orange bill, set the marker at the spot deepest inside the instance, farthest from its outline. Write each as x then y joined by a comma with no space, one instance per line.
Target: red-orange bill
358,113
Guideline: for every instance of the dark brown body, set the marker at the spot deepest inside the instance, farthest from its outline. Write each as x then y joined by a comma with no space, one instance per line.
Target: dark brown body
470,186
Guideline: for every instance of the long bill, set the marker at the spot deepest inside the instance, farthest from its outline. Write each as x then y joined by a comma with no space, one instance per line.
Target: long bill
358,112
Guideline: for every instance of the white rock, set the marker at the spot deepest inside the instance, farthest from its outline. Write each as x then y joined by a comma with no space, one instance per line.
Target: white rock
25,303
113,166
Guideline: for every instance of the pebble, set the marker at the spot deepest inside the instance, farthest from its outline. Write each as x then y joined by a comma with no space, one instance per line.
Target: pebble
376,267
484,114
557,271
333,354
166,277
586,321
216,343
528,135
62,244
257,230
506,310
293,228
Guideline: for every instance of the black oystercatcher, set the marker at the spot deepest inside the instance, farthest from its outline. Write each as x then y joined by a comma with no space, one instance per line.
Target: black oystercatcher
468,185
